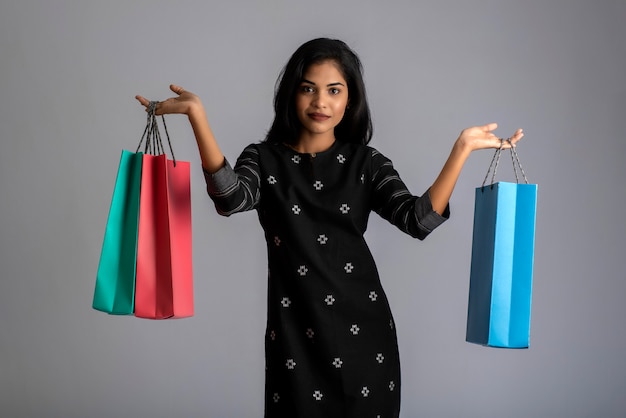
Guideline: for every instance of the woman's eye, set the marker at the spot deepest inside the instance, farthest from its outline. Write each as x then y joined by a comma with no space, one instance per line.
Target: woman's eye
335,91
307,89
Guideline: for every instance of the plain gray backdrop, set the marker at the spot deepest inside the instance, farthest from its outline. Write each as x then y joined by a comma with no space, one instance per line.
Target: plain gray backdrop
69,71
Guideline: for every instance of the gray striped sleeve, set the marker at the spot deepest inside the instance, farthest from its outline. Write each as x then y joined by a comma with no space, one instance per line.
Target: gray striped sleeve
393,201
220,182
236,190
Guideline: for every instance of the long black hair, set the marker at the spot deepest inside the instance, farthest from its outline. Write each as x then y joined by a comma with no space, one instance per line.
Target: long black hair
356,125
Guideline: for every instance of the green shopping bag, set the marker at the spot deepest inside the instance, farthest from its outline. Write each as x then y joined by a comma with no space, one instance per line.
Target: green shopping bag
115,282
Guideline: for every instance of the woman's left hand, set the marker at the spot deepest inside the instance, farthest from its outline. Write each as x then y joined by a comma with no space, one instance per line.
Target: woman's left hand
481,137
471,139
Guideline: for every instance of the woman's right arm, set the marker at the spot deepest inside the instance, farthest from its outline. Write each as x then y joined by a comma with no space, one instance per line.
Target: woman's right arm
189,104
232,190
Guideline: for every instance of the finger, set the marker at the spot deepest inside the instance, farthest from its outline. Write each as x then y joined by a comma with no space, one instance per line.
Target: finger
489,127
158,108
177,89
512,141
145,102
519,134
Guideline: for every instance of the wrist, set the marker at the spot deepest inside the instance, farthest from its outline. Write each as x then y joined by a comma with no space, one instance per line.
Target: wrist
462,146
195,110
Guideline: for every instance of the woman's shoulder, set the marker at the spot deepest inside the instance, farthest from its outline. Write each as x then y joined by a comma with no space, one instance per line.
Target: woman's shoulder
265,153
259,148
354,148
264,148
366,151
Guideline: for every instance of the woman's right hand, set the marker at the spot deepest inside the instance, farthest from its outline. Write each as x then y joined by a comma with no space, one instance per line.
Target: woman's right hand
184,103
189,104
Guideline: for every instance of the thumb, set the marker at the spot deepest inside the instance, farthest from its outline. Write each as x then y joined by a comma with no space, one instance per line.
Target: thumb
489,127
177,89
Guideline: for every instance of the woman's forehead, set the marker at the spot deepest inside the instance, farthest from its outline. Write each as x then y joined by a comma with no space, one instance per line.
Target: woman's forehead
328,69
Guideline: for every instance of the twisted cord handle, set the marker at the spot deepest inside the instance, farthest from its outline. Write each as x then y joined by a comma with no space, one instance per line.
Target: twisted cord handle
496,158
519,164
152,135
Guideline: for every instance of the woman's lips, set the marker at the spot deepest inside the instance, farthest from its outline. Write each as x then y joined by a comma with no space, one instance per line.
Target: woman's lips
320,117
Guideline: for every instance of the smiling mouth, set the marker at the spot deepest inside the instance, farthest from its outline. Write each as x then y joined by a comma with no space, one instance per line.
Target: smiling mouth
319,116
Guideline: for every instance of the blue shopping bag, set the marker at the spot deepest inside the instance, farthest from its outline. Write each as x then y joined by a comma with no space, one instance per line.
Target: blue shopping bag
501,276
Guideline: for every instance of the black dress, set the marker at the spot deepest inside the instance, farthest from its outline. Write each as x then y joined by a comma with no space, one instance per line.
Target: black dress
331,347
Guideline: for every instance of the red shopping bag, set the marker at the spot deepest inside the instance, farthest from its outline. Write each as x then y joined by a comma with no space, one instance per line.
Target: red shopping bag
164,281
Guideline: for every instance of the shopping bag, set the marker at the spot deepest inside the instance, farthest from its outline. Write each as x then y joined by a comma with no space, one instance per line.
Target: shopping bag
115,280
164,283
501,276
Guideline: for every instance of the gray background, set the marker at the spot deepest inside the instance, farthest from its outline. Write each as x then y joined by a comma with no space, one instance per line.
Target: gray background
68,75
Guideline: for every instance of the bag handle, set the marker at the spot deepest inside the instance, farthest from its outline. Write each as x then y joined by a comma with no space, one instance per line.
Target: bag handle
154,144
496,158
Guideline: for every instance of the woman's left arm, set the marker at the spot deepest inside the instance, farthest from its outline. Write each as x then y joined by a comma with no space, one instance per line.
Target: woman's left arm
470,139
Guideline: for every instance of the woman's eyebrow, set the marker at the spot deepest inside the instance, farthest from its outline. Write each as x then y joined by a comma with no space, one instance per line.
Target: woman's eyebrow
328,85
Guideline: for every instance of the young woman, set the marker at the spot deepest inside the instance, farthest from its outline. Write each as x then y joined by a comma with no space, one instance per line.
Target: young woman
331,347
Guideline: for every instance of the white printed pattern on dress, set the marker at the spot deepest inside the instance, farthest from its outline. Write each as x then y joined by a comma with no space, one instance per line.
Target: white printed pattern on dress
302,271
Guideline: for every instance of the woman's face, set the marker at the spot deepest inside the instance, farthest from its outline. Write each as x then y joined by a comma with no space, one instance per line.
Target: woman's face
321,99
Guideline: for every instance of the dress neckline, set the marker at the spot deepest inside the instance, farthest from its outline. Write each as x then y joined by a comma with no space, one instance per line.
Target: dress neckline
311,154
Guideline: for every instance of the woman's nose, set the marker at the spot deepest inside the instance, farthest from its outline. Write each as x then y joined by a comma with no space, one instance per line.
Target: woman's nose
319,100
